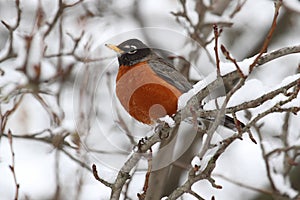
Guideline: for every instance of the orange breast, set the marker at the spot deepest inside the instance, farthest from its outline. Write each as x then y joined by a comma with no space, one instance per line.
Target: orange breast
144,95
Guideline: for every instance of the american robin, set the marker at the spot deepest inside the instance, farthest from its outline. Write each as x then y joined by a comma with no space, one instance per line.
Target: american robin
147,86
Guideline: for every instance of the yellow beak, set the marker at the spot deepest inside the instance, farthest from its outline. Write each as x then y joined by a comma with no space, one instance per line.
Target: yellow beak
115,48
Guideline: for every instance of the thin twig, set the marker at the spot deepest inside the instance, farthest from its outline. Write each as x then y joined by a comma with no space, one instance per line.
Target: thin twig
147,177
55,19
218,117
206,173
284,149
252,103
55,119
237,8
195,194
4,118
278,4
217,34
267,164
240,184
228,57
95,173
235,75
50,140
61,7
285,141
12,167
11,29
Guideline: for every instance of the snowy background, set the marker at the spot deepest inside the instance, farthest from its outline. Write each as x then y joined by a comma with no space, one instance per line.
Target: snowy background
67,97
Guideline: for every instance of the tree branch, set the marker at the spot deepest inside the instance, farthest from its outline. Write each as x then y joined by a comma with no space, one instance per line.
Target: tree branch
278,4
12,166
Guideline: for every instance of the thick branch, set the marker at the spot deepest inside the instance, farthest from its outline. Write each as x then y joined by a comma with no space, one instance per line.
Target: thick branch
250,104
277,54
124,172
205,174
230,77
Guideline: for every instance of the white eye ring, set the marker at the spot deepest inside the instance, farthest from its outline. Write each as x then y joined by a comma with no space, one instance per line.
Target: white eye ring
132,51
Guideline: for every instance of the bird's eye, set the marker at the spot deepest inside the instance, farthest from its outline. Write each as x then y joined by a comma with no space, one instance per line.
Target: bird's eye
133,49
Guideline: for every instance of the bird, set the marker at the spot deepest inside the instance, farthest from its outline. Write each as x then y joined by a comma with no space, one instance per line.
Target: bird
147,85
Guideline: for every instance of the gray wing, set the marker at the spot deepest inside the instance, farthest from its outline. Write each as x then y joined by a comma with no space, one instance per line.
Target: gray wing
166,71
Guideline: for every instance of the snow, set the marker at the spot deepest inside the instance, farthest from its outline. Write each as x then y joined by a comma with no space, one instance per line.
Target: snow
227,67
169,120
288,80
284,185
203,162
196,161
11,77
206,158
184,98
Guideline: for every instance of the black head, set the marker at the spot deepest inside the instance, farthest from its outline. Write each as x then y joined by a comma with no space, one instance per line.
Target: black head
131,52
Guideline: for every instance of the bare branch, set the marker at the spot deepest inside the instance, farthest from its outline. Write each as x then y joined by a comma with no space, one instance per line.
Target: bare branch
11,29
12,166
61,7
193,177
268,168
123,174
147,177
195,194
95,173
278,4
229,57
4,117
277,54
238,8
217,34
235,75
252,103
240,184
